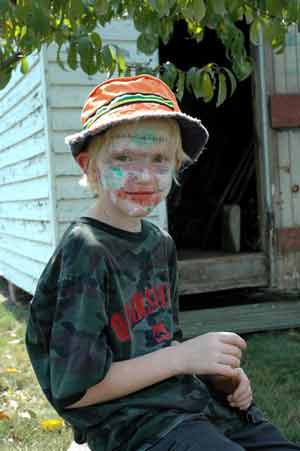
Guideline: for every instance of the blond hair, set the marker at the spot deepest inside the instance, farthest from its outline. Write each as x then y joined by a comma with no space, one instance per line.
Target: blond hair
99,142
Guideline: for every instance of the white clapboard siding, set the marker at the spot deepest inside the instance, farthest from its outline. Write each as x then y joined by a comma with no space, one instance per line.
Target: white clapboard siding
287,81
39,231
18,277
34,210
24,149
25,238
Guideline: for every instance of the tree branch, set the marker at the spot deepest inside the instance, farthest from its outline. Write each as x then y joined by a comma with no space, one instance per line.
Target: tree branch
14,58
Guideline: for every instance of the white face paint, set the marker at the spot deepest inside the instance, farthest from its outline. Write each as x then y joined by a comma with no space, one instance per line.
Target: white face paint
137,171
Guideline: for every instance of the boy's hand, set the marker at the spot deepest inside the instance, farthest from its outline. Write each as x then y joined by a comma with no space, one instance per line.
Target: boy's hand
211,353
242,396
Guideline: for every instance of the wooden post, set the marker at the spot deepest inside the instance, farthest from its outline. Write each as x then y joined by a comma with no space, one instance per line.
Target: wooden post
11,292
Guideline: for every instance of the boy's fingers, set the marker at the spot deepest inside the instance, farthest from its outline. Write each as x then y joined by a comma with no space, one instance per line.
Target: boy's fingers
242,397
233,350
233,339
225,370
228,359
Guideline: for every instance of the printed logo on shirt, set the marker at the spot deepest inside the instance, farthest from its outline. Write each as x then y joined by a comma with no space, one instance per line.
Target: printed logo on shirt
140,306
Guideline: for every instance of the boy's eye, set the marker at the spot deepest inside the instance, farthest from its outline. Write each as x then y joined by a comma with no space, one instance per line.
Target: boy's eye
122,157
160,158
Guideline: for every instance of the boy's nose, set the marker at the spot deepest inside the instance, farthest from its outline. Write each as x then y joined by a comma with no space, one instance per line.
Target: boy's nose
145,175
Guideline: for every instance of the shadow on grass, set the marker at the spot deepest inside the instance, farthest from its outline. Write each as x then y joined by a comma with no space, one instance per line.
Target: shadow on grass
20,308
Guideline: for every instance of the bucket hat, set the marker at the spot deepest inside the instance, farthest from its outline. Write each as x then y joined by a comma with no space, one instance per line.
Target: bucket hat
123,99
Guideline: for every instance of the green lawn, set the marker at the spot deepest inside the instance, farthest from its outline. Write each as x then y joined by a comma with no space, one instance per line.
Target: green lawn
272,361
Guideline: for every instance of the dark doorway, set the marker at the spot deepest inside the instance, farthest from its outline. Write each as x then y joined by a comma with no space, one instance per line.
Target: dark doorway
226,171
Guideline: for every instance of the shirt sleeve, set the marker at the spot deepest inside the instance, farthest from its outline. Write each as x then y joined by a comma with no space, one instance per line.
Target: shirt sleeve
79,354
173,270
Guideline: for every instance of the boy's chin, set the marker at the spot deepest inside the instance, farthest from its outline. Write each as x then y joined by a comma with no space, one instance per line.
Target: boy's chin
137,211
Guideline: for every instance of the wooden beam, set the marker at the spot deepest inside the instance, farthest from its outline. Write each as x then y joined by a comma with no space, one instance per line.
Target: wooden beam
199,274
241,318
288,239
285,110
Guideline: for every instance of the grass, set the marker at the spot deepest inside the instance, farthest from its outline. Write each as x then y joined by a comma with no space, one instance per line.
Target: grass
22,404
272,362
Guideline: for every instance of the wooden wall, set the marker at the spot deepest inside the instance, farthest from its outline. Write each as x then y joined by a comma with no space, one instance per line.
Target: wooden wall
25,231
285,79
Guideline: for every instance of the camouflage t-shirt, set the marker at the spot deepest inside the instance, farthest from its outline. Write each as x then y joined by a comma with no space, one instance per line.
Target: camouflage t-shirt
110,295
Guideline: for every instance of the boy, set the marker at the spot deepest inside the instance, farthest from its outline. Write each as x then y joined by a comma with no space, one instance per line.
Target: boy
103,330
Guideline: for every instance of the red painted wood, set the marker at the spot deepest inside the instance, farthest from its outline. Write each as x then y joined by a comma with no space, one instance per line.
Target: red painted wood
285,110
288,239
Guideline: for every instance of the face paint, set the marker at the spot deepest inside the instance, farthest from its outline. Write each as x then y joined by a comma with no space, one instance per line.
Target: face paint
142,137
136,188
137,168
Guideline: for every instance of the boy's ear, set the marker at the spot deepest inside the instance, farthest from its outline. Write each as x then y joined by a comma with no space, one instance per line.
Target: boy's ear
83,160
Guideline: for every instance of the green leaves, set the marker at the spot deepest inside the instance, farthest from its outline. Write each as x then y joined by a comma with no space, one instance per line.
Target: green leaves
222,92
218,6
169,74
24,65
147,43
72,57
208,83
26,24
255,30
4,78
194,10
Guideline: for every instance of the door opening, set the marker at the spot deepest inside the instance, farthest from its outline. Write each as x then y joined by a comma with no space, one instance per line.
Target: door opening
225,173
217,198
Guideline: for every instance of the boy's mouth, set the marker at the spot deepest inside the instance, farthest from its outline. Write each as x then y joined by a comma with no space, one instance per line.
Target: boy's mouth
140,193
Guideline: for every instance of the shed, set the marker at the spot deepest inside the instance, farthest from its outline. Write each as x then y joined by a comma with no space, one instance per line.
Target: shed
40,195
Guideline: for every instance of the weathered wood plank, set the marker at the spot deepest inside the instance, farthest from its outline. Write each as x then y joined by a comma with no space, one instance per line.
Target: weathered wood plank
58,141
32,103
39,231
21,90
31,125
199,275
65,119
70,96
288,239
284,109
286,212
24,170
16,260
292,84
288,271
68,210
241,318
30,189
57,76
34,210
67,187
65,164
24,150
294,143
34,250
279,73
20,279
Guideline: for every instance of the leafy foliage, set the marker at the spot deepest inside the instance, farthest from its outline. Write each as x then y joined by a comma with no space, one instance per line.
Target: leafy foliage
27,24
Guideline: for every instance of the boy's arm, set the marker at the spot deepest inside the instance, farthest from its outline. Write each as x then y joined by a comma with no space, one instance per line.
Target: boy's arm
129,376
211,353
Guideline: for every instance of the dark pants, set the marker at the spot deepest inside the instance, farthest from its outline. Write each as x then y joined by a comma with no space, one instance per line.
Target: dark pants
201,435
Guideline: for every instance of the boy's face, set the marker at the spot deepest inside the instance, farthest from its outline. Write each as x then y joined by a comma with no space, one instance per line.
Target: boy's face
135,170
